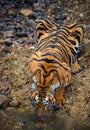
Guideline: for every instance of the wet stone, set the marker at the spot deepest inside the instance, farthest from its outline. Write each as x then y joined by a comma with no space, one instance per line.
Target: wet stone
31,2
15,103
32,16
11,12
81,15
3,101
26,12
7,122
8,42
17,28
21,34
8,34
31,23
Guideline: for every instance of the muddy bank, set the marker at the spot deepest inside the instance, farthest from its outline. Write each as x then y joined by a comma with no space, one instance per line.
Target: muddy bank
7,122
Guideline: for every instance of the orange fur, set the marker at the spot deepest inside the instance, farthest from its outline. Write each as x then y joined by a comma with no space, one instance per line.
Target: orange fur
53,61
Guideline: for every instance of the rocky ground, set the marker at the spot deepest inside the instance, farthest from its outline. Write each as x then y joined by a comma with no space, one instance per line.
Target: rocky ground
17,42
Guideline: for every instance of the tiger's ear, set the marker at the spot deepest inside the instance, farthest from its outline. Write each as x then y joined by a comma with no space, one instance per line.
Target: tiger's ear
37,76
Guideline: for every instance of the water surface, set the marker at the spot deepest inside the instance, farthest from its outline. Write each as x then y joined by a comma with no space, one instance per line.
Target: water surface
28,121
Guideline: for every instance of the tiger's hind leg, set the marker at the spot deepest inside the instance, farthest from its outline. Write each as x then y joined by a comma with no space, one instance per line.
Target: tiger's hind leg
59,99
75,67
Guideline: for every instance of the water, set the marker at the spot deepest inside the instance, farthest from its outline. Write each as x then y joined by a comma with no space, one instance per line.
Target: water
26,119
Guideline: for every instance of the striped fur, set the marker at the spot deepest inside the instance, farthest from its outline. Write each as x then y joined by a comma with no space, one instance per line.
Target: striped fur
53,62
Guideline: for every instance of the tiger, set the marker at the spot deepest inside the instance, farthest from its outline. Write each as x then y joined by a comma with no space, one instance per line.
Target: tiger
53,62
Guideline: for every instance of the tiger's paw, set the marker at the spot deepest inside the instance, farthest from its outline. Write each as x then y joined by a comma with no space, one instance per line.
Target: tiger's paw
59,104
56,107
74,71
75,68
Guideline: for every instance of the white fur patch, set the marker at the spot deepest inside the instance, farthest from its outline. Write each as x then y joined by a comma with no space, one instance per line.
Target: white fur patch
46,101
34,87
38,42
54,86
34,79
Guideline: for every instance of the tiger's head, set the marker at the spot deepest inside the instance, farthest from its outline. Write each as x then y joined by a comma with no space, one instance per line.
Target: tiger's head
42,100
43,28
42,92
45,80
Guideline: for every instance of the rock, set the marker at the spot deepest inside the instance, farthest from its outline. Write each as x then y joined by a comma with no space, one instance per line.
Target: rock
3,101
63,17
81,15
49,11
11,12
15,103
32,47
21,34
6,50
32,16
7,121
40,125
8,34
3,11
17,28
26,12
8,42
31,2
32,23
37,7
1,41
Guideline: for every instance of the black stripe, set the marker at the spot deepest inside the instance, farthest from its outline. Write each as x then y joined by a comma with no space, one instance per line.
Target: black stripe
49,23
72,42
77,32
78,38
60,47
66,29
36,72
42,66
50,61
41,28
68,41
63,33
51,54
40,34
73,52
35,53
52,70
71,26
63,48
47,60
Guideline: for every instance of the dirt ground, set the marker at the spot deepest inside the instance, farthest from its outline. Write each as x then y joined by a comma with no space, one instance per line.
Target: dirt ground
17,43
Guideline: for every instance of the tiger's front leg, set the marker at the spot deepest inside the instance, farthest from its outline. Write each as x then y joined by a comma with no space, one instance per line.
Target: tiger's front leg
59,99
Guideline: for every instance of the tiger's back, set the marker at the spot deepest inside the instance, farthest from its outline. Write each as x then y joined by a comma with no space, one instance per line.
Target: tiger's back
53,61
